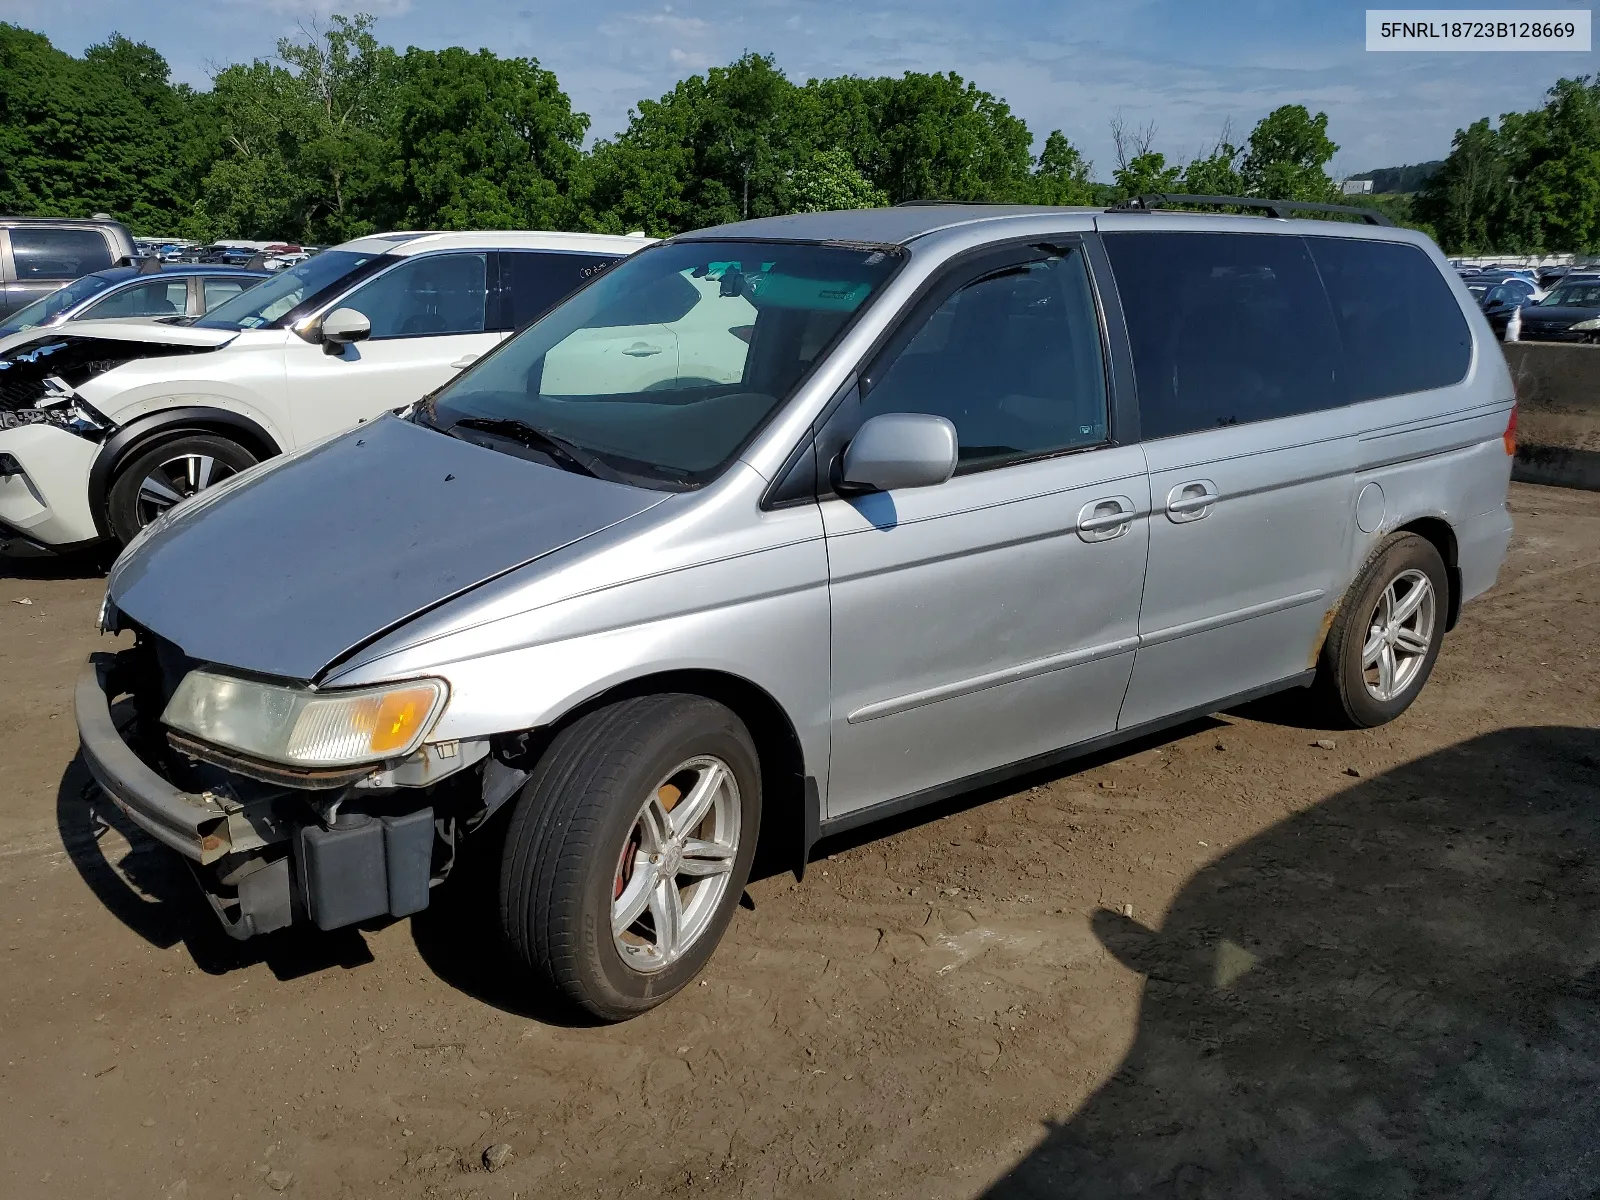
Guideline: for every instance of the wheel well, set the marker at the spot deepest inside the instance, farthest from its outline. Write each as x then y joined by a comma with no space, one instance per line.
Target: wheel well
784,836
1438,532
135,437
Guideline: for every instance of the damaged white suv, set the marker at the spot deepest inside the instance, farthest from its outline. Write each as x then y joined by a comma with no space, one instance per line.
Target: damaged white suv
105,426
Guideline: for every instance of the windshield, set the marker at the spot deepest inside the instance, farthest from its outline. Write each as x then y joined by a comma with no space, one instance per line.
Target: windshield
270,301
662,369
58,301
1585,295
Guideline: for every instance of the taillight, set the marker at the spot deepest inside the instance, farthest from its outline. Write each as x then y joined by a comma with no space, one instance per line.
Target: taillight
1511,430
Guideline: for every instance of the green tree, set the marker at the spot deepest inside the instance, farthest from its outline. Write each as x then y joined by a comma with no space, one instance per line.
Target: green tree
1147,173
1061,173
717,148
1553,202
346,83
1217,173
254,188
483,142
830,180
1288,156
100,133
1465,201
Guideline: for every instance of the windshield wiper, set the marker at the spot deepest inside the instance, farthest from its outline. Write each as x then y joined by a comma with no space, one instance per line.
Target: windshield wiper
558,449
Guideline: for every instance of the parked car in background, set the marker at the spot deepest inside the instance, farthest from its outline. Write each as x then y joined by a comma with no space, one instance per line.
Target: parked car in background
904,529
1502,300
151,289
237,256
38,255
104,428
1570,313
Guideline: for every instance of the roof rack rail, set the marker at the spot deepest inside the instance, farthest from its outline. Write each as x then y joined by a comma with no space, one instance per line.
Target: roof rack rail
1273,208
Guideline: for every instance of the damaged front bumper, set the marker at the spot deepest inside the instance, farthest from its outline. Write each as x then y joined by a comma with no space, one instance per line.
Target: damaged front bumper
266,857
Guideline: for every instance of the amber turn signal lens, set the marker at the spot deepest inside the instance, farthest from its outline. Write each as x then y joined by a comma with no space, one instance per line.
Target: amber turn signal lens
397,718
1511,432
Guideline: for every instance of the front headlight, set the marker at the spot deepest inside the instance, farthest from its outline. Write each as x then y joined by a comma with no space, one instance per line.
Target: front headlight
304,728
1591,324
75,418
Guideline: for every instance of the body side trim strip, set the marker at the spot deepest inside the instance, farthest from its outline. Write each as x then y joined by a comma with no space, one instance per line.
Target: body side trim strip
1027,670
943,791
1173,632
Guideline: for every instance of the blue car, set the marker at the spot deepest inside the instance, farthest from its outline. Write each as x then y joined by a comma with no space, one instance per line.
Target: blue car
152,289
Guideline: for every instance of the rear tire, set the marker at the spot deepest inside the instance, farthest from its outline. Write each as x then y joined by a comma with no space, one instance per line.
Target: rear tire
159,476
594,847
1386,638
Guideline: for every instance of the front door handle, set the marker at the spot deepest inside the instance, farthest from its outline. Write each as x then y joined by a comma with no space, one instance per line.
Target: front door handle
1191,501
642,350
1102,520
462,363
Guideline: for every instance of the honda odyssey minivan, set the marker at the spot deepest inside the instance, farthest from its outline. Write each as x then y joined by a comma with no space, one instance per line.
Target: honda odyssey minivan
779,528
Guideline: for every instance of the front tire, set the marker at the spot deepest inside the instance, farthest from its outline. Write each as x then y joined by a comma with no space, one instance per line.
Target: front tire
1386,638
629,849
159,477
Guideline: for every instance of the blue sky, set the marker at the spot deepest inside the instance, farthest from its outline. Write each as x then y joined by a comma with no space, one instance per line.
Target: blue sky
1189,67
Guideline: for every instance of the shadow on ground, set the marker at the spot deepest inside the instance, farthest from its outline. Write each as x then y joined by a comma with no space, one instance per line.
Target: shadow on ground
1394,994
149,889
78,564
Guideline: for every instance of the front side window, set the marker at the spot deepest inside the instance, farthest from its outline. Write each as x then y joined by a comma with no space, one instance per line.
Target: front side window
662,369
157,298
1013,360
425,296
58,253
1398,318
534,281
1226,328
274,301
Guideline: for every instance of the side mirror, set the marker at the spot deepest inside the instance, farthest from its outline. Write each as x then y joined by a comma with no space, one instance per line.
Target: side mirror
899,450
343,326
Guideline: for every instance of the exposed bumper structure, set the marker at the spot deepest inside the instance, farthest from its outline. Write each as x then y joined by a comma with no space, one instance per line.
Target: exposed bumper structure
195,826
265,862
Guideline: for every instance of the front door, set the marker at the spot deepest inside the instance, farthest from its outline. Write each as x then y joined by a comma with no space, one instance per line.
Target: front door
428,317
1238,366
993,617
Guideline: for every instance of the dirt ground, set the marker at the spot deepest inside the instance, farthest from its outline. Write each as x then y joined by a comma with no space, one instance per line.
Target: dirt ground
1228,963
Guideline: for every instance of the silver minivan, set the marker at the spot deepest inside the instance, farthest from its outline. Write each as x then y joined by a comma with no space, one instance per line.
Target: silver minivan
778,528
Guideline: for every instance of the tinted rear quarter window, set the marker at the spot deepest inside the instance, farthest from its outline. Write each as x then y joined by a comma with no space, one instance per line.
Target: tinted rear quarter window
532,282
1400,323
1227,328
58,253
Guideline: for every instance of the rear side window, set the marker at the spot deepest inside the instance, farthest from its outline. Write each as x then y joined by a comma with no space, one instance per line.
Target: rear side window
58,253
532,282
219,290
1402,328
1227,328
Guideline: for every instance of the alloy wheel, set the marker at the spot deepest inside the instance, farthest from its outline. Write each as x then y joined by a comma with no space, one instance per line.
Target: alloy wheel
177,479
1399,634
674,866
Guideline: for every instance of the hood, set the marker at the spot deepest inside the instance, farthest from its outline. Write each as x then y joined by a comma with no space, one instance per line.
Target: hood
296,565
146,330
